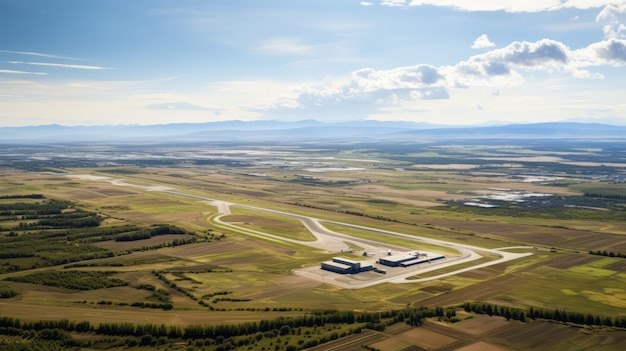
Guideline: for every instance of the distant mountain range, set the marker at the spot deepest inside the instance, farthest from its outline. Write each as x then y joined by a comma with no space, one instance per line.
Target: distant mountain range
304,131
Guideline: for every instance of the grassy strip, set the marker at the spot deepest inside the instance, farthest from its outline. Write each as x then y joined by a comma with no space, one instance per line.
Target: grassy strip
359,233
270,223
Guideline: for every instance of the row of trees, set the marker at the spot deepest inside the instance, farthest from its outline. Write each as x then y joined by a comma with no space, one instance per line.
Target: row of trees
75,280
281,325
606,196
79,219
557,315
495,310
226,337
415,316
164,306
49,207
28,196
147,233
608,254
577,317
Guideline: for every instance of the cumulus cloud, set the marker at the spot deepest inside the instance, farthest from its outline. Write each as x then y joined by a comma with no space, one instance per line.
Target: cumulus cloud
482,42
379,86
607,52
370,91
496,68
366,3
532,55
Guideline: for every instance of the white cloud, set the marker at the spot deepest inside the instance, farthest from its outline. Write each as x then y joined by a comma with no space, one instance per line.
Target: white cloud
90,102
614,14
611,11
607,52
393,3
438,92
504,5
504,67
526,54
284,46
38,54
181,106
10,71
482,42
61,65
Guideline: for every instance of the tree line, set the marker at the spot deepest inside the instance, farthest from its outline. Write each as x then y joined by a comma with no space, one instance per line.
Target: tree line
230,336
606,196
557,315
608,254
29,196
48,207
75,280
147,233
317,318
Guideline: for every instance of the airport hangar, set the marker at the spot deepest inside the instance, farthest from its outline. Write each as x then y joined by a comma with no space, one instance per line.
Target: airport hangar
345,266
408,260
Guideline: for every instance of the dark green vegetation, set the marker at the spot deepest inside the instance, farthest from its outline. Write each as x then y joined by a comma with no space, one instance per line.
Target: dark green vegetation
51,214
297,333
54,232
6,291
75,280
608,254
556,315
148,233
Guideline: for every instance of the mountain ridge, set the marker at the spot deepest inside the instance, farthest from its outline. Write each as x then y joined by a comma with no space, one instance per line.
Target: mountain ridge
305,130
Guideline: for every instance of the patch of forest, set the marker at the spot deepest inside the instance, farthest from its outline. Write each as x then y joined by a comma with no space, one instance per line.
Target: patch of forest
75,280
52,232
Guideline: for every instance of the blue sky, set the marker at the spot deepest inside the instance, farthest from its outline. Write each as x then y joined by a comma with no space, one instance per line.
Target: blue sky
88,62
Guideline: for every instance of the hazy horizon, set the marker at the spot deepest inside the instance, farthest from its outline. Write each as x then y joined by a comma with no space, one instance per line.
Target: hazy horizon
452,62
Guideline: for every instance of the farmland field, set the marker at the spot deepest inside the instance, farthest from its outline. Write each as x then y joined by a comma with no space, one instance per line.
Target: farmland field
226,245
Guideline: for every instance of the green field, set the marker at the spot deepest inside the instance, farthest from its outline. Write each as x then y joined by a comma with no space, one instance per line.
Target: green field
228,275
269,223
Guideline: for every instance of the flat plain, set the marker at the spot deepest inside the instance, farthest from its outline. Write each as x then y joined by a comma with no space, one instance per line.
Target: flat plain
241,266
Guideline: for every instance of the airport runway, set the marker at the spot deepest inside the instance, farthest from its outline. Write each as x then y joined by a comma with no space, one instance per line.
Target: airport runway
331,241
